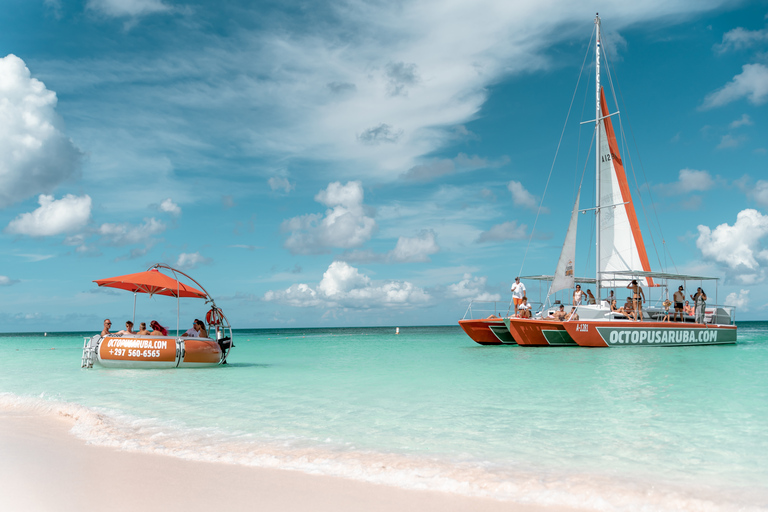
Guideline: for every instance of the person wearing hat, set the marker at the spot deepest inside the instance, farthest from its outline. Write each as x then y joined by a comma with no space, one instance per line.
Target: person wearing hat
518,292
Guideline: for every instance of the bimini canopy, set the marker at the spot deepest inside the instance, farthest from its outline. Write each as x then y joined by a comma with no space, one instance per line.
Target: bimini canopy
152,282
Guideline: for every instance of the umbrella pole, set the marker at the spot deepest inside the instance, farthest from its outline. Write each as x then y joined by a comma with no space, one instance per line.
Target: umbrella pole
134,308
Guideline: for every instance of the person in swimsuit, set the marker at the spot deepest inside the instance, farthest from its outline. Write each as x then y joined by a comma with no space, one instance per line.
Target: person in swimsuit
638,297
524,309
688,308
518,292
573,315
578,295
143,329
107,325
678,298
128,328
591,298
561,315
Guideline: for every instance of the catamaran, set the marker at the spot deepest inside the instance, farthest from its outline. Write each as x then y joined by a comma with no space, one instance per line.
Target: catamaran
620,259
121,350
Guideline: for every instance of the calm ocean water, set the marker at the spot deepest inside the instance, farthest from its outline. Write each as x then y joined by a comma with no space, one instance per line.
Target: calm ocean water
633,428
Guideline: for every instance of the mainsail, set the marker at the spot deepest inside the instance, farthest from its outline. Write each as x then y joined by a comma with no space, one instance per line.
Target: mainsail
621,243
563,278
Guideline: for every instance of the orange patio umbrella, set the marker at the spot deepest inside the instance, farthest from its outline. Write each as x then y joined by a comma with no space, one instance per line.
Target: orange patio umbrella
152,282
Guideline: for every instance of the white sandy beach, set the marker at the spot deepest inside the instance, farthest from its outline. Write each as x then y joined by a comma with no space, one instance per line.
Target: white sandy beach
45,468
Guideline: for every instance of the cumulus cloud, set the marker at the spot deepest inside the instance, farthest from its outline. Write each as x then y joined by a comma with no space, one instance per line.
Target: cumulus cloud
129,234
740,38
472,288
344,225
751,83
759,193
7,281
521,197
505,231
53,217
416,248
280,183
740,300
188,261
689,180
35,154
127,8
739,246
169,206
344,286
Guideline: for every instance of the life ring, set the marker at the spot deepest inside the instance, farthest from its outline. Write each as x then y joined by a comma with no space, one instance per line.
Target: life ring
214,316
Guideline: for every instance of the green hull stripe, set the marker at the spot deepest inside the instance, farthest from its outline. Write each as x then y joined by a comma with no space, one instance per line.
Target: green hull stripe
619,336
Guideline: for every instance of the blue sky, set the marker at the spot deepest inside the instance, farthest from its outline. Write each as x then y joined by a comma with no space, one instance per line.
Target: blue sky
362,163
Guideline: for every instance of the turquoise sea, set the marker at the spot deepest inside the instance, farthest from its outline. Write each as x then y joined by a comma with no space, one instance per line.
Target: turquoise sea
631,428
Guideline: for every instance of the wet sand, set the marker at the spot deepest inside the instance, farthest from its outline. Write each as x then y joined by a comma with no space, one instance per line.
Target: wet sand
45,468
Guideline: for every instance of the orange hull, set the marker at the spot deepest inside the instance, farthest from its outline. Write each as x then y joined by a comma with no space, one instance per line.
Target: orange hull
487,331
157,352
531,332
600,333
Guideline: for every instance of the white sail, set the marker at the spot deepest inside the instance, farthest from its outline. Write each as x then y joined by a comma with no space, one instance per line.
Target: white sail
621,243
563,278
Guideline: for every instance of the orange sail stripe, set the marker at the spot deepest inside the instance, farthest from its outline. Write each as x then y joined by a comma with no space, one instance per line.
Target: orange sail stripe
624,186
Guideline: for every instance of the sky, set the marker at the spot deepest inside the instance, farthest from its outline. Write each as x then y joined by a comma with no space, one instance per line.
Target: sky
365,163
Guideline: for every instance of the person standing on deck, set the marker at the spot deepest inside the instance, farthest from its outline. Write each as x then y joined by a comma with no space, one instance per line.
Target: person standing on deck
518,292
700,301
578,295
638,297
678,297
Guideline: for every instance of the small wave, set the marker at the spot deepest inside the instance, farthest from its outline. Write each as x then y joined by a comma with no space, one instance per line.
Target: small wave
519,485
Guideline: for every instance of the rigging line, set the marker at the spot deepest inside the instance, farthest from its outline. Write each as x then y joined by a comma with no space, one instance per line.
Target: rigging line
642,168
565,124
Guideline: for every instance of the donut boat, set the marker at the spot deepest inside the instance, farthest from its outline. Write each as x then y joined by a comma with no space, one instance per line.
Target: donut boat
137,351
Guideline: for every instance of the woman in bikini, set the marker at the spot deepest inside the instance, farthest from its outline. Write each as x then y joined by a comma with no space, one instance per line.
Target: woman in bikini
638,297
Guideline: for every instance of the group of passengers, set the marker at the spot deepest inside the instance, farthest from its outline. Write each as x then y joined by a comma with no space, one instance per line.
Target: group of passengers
198,329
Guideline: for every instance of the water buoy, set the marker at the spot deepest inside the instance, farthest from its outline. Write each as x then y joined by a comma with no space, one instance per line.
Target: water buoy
397,330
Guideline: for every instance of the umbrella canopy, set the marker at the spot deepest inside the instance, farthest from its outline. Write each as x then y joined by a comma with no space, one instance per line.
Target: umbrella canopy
152,282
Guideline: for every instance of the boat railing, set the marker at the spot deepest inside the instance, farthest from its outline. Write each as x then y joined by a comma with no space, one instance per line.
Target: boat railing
715,314
484,308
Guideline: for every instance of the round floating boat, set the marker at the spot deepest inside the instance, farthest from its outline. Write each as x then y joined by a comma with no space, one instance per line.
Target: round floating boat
137,351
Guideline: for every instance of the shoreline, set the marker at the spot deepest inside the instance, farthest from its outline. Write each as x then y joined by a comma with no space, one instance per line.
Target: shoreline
45,468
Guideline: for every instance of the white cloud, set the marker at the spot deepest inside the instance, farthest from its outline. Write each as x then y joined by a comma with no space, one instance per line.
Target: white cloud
7,281
170,207
472,288
751,83
188,261
744,120
521,197
122,8
740,38
129,234
738,246
280,183
344,286
35,155
53,217
418,248
344,225
729,141
740,300
759,193
505,231
689,180
441,167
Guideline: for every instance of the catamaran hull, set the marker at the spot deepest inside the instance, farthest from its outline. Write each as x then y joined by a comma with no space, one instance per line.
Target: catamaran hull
542,333
488,331
155,352
652,334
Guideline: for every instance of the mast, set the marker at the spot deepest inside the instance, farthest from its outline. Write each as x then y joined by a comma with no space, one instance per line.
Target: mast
597,153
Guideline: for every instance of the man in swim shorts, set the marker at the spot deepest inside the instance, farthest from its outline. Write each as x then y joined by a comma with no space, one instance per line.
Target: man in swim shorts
678,297
518,292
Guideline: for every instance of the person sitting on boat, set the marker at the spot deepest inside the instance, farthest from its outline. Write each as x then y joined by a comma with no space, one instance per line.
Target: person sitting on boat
193,332
628,309
157,329
143,329
614,307
678,298
518,292
700,300
128,328
201,329
573,315
688,308
107,325
524,309
561,315
591,298
578,295
638,297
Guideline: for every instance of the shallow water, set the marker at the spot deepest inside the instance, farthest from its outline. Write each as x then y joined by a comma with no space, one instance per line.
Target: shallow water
631,428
